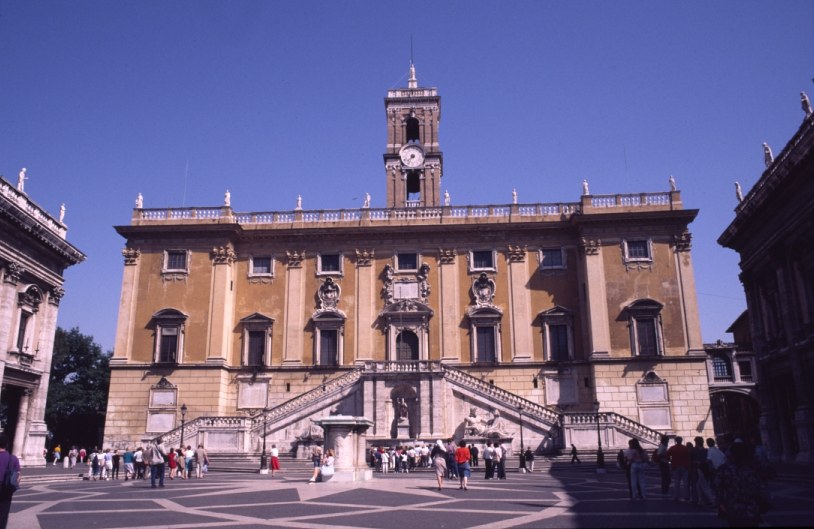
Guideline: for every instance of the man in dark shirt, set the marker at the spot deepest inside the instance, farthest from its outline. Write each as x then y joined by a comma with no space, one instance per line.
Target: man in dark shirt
473,450
10,462
679,456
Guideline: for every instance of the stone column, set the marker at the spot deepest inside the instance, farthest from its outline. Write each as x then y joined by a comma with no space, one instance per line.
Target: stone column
22,423
123,348
597,302
425,402
449,303
365,306
519,305
221,305
439,409
689,300
293,339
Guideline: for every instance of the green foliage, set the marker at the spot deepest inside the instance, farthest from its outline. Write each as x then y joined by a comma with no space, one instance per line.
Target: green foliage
77,394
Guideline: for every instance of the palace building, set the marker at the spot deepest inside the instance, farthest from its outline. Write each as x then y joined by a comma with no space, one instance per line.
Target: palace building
33,257
539,324
771,232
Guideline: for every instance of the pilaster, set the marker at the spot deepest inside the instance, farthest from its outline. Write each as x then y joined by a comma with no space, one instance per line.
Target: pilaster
520,304
221,305
365,306
689,300
125,324
597,299
293,340
448,296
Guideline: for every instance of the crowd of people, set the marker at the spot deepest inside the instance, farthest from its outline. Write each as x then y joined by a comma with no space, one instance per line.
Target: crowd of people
733,481
141,462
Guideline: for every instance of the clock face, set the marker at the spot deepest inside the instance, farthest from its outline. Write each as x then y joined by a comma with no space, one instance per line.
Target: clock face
412,156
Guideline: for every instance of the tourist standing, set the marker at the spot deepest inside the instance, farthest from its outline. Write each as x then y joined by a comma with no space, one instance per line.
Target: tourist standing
275,459
637,462
475,453
129,468
742,495
462,457
500,460
117,458
156,457
488,460
439,460
201,459
679,457
7,462
660,457
138,459
316,460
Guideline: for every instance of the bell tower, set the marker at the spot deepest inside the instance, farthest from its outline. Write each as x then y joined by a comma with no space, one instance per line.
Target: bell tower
413,161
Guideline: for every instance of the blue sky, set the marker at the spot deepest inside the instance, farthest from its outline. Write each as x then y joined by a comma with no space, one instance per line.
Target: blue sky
101,100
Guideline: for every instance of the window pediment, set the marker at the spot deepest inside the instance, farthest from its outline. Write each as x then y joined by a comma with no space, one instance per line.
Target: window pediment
257,318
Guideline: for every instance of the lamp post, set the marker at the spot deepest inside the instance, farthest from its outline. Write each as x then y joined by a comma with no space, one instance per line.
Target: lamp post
183,422
600,457
522,446
264,462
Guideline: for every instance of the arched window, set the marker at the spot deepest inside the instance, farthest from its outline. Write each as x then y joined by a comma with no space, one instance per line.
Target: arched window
644,319
169,336
407,346
412,130
413,187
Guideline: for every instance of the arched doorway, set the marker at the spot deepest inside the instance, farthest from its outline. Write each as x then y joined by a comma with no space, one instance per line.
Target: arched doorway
407,346
735,414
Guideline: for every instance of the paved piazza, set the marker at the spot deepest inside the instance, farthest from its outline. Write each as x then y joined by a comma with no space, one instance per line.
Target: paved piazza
564,496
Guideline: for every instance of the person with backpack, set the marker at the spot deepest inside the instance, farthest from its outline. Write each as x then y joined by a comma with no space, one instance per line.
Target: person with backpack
9,465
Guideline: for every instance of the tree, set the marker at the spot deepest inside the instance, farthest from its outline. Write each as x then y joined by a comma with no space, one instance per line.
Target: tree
77,393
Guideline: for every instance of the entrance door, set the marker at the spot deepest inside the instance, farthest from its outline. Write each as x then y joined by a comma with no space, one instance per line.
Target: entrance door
407,346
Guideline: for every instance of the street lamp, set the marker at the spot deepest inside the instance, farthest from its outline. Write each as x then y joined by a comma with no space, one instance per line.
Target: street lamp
522,446
264,462
600,457
183,421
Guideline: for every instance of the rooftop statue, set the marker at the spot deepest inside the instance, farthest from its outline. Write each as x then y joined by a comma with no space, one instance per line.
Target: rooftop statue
299,202
366,204
61,213
227,199
446,198
672,183
139,201
738,192
768,157
805,103
514,196
21,178
585,190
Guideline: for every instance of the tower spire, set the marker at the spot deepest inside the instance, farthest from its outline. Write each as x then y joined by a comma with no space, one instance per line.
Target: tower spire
412,82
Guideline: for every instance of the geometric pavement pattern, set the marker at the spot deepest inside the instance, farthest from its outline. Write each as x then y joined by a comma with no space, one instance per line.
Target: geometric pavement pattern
562,495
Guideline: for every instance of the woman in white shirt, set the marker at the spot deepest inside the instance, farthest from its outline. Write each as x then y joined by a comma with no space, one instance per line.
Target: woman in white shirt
275,459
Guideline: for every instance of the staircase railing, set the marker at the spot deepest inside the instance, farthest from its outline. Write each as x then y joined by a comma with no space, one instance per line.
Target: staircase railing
324,390
620,422
529,408
321,392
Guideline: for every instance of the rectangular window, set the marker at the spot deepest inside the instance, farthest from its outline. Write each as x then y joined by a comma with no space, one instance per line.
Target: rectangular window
406,262
330,263
646,336
485,342
257,348
637,250
261,266
482,260
558,339
168,345
328,342
21,329
176,260
745,368
552,258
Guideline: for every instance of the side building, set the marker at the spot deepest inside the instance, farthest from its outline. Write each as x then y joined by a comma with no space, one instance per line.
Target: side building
33,257
539,324
772,233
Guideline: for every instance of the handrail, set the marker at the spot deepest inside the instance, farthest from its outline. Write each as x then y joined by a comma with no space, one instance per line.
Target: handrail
621,422
529,408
